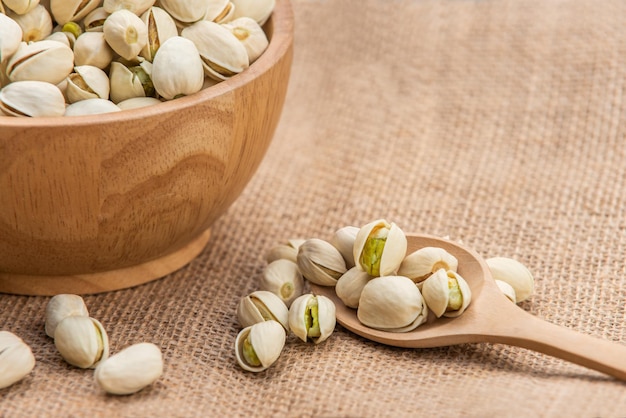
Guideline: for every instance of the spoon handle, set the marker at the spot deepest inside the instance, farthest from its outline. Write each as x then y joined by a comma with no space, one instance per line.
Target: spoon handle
522,329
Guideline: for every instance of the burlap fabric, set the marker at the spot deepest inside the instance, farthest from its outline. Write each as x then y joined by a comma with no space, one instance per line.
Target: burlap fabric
500,123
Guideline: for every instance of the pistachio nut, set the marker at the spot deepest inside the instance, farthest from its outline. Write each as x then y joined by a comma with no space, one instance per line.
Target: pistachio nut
91,48
10,37
91,107
82,341
125,33
507,289
177,68
186,11
379,248
262,305
87,82
423,262
223,55
62,37
320,262
259,10
161,27
258,346
136,6
16,359
132,369
20,7
250,34
343,240
287,250
350,285
94,21
446,293
42,61
219,11
514,273
137,102
60,307
36,24
392,303
312,318
31,99
128,82
64,11
283,278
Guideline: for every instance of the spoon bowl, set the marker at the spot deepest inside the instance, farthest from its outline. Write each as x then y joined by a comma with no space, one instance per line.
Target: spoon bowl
490,317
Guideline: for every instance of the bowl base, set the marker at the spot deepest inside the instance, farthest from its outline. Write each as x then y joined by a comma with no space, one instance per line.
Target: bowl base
105,281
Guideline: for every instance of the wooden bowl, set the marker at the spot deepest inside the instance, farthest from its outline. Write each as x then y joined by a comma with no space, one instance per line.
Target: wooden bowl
96,203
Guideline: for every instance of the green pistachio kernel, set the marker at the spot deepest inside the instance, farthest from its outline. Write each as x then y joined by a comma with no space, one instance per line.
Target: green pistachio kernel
145,80
311,318
73,28
249,354
455,300
373,251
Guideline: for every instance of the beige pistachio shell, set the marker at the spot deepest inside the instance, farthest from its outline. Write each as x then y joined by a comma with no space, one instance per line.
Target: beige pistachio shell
91,107
223,55
60,307
515,274
391,303
177,68
125,33
16,359
41,61
36,24
219,11
65,11
20,7
82,341
266,340
161,27
423,262
130,370
379,248
312,318
350,285
259,10
125,84
343,240
94,21
320,262
283,278
10,37
186,11
31,99
91,48
136,6
262,305
288,251
60,37
87,82
438,296
507,290
137,102
251,35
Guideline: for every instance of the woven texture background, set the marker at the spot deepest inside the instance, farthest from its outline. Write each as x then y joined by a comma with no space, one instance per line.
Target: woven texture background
501,123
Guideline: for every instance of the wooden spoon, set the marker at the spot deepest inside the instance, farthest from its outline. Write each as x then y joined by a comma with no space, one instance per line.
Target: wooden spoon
491,317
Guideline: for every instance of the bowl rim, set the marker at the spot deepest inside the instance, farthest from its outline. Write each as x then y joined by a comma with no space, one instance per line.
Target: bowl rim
281,39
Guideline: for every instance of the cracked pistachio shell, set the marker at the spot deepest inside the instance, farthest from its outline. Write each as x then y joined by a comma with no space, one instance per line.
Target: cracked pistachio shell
287,250
87,82
423,262
36,24
94,21
64,11
161,27
320,262
136,6
91,107
222,54
127,83
31,99
177,68
137,102
20,7
251,35
219,11
132,369
60,307
91,48
262,305
16,359
259,10
265,340
343,240
125,33
392,303
515,274
10,37
350,285
283,278
42,61
507,289
312,318
82,341
379,248
186,11
446,293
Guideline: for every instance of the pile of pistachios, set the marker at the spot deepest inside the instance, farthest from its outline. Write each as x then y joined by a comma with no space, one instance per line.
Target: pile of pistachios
80,57
372,273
